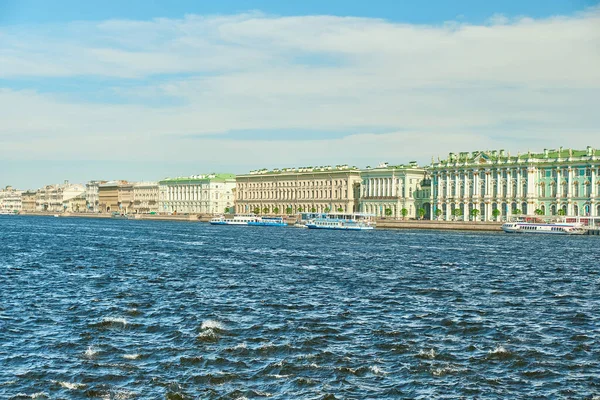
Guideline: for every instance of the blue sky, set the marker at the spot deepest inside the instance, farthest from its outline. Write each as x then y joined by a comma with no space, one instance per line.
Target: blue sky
419,12
142,90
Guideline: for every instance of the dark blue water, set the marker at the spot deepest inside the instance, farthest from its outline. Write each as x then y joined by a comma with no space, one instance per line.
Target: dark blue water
121,309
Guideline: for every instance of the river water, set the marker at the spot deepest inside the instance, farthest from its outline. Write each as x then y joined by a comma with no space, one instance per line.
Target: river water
119,309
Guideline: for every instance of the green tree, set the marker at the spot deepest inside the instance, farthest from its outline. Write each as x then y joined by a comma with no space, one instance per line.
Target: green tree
300,209
276,210
327,209
256,211
516,211
404,213
288,210
388,212
438,213
474,213
226,210
457,212
340,209
538,212
313,210
496,213
422,213
266,210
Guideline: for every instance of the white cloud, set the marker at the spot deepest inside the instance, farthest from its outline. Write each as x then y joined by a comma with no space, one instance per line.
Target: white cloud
512,83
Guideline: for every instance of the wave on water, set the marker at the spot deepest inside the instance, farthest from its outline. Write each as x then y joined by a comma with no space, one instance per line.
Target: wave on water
376,370
189,311
90,352
111,322
210,331
70,385
38,395
444,371
500,353
211,324
431,354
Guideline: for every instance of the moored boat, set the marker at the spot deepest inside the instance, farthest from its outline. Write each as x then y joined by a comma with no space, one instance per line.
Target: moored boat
553,228
242,219
268,221
346,222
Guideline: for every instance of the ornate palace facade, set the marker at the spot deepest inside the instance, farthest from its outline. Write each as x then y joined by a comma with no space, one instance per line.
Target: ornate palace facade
10,200
199,194
51,198
387,190
293,190
549,183
145,197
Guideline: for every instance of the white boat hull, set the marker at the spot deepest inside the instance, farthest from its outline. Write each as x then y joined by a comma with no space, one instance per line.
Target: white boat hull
545,229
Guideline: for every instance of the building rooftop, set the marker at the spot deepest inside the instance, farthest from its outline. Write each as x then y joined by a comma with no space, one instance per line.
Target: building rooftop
501,156
387,166
213,177
296,170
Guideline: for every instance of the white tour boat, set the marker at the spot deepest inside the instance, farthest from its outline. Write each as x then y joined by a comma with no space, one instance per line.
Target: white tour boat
340,221
241,219
553,228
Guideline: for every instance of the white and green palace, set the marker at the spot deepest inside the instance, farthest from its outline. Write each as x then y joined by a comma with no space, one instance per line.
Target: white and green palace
490,185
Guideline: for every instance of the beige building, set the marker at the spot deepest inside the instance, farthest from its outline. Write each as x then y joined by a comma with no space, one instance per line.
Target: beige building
52,198
10,200
91,194
115,197
145,197
198,194
293,190
76,204
387,190
28,201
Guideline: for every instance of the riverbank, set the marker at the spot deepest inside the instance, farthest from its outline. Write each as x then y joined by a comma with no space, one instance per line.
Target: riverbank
381,223
149,217
440,225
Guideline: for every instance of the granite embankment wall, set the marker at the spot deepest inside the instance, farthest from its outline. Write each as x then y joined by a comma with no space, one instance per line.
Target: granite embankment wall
192,217
381,223
447,225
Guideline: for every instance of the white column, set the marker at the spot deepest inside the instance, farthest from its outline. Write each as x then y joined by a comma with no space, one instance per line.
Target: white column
570,192
456,184
531,193
558,186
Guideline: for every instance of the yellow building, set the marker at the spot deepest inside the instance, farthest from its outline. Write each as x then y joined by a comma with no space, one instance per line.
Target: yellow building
115,196
293,190
28,201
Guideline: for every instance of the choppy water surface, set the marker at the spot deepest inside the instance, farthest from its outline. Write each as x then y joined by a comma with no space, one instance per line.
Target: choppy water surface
132,309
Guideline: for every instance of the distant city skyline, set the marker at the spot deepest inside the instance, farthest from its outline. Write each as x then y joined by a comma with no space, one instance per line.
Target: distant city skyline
144,91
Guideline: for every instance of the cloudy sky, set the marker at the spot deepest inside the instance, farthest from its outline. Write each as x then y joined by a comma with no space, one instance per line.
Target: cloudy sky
153,89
